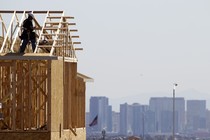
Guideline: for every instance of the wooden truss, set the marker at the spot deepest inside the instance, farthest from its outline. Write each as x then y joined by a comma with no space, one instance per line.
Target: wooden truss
55,33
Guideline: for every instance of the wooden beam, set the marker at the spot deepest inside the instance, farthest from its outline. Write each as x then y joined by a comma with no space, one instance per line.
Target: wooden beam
13,95
75,36
72,130
71,23
58,17
49,95
80,49
76,42
30,95
55,28
34,12
59,34
73,30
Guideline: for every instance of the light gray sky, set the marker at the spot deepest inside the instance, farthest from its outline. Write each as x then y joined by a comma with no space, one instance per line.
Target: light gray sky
138,48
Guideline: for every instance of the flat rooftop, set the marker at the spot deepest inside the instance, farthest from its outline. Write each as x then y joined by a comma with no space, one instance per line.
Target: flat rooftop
27,56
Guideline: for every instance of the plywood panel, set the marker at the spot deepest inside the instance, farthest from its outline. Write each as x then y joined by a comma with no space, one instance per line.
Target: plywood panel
74,98
80,95
67,96
56,95
70,101
74,107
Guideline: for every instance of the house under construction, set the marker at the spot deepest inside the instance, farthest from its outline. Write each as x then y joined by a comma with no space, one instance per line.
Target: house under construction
42,96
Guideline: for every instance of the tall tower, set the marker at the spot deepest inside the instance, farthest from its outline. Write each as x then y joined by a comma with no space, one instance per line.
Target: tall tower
126,119
162,106
99,106
196,114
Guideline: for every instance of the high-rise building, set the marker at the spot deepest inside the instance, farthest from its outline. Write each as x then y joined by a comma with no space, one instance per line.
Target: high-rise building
109,119
196,115
115,122
208,119
163,109
167,123
99,106
126,119
149,119
136,119
138,126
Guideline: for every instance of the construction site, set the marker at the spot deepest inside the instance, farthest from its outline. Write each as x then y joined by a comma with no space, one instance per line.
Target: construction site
42,95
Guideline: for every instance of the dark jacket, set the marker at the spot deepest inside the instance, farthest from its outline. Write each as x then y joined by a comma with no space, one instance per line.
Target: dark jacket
27,30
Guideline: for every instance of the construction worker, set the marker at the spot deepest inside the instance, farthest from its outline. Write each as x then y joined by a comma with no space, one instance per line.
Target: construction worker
28,34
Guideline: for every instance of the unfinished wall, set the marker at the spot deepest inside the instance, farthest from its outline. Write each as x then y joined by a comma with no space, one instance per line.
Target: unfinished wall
68,94
23,94
74,98
68,121
39,92
41,97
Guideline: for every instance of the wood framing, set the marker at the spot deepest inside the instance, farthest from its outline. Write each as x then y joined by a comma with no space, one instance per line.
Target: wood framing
24,94
56,33
42,96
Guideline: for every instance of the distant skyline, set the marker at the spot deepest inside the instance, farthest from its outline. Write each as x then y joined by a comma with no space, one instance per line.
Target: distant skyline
115,103
139,48
190,118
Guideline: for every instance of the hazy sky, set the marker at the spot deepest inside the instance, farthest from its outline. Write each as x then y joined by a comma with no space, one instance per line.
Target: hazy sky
138,48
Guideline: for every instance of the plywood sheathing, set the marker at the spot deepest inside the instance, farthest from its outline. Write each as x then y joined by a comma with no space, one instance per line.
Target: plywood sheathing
74,109
74,97
67,96
56,111
80,102
70,108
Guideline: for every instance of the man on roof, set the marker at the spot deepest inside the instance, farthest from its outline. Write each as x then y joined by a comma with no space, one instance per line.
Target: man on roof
28,35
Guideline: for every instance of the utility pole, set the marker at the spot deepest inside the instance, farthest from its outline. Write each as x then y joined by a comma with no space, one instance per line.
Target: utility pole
143,126
173,137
